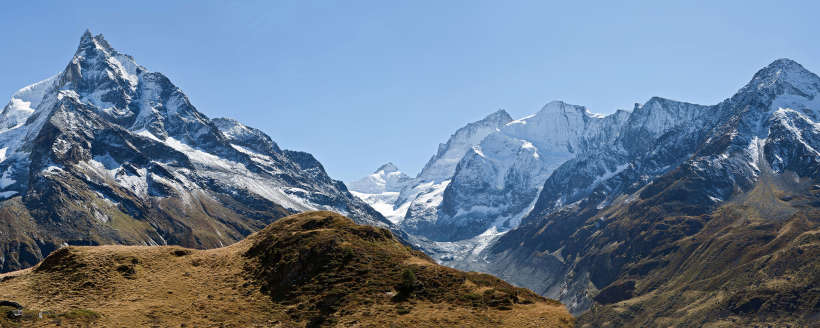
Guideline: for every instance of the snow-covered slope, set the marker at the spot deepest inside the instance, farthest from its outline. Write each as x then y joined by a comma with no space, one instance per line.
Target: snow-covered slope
526,200
496,183
422,195
443,164
675,161
387,178
381,190
107,151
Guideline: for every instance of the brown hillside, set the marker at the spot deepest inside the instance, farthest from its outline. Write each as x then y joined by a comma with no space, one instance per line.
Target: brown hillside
307,270
752,264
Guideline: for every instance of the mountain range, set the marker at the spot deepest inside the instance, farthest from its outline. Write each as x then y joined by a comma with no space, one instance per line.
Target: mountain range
671,214
628,218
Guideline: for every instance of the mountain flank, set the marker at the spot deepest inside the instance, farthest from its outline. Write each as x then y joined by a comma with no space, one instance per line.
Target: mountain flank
313,269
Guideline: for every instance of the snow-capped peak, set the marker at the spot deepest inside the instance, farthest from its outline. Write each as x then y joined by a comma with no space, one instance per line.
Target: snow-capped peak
442,165
389,167
784,76
500,115
387,178
557,106
96,64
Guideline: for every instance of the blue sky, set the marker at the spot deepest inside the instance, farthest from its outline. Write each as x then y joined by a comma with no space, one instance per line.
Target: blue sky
360,83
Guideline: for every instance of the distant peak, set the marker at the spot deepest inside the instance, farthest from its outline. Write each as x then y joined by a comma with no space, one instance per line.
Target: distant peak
499,115
387,168
784,72
786,63
782,68
557,106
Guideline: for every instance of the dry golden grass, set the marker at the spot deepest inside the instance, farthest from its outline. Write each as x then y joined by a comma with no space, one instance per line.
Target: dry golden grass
140,286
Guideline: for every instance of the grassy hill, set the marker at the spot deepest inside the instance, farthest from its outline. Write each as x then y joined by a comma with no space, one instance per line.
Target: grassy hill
307,270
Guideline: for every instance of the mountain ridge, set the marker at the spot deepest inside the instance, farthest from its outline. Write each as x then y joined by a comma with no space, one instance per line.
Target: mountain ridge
109,152
314,269
599,222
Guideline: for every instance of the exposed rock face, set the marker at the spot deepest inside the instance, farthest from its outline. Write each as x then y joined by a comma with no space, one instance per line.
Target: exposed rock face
683,166
109,152
614,206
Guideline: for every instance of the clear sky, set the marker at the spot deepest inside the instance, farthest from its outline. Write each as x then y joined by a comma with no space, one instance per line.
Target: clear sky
360,83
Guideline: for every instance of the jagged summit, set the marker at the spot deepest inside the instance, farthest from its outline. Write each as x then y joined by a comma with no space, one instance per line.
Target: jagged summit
108,152
88,40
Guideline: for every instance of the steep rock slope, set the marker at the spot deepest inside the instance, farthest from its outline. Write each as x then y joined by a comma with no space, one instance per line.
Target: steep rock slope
497,182
109,152
308,270
705,191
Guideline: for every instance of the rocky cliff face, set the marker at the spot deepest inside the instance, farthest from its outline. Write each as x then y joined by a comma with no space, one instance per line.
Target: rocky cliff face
109,152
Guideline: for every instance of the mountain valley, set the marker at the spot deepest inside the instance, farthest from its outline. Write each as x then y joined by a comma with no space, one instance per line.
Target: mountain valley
121,203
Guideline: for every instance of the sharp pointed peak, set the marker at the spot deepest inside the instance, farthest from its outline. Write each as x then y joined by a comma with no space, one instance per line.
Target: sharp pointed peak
90,41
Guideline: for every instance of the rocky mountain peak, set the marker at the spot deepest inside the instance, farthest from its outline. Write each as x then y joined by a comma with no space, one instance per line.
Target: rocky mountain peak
500,115
389,167
102,76
784,76
91,46
557,106
387,178
442,165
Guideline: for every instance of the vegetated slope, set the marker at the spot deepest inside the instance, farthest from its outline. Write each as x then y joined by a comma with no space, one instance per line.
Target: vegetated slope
744,267
307,270
108,152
